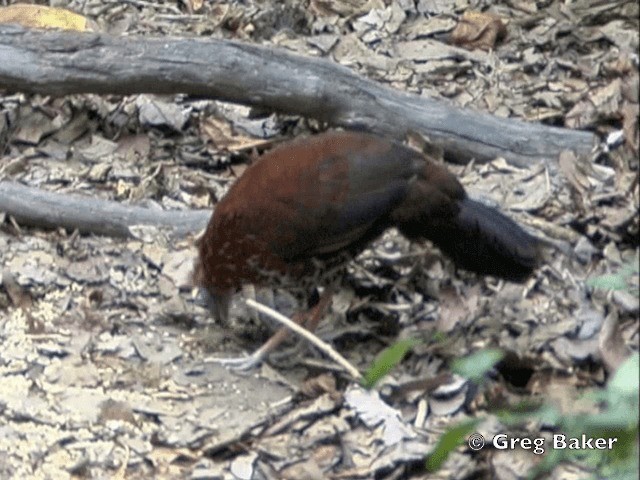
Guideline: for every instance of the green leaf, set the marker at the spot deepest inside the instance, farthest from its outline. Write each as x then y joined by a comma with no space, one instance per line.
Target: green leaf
448,442
528,411
476,365
620,280
386,360
613,281
625,380
439,337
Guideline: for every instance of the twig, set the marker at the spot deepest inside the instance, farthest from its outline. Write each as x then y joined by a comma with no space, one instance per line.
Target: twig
303,332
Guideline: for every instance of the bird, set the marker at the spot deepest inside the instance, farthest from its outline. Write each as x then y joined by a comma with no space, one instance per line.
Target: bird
299,214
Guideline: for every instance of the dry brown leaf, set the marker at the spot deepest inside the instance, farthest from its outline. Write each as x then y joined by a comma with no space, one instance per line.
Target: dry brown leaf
456,308
612,346
343,8
478,30
607,100
568,163
194,5
630,87
582,115
134,147
18,296
620,65
559,390
114,410
221,134
323,383
35,125
578,180
39,16
601,104
305,469
630,113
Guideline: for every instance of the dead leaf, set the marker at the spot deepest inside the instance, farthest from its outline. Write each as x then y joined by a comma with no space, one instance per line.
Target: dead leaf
608,100
428,51
624,38
39,16
374,412
478,30
630,87
455,307
343,8
601,104
352,51
134,148
611,344
220,132
35,125
243,466
630,113
308,469
19,297
114,410
582,115
194,5
323,383
160,113
568,163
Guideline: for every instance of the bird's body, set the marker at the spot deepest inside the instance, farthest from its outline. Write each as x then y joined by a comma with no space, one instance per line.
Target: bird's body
301,212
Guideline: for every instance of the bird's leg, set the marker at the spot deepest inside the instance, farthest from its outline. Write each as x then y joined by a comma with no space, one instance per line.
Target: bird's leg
308,319
249,291
315,313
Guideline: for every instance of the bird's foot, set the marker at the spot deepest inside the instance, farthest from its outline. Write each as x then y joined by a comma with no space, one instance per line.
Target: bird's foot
289,356
241,364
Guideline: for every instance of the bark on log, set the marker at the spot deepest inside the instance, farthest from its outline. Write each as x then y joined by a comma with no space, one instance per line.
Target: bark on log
61,63
39,208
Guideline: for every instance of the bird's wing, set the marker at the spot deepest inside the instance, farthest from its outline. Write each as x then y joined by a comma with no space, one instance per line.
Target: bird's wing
344,198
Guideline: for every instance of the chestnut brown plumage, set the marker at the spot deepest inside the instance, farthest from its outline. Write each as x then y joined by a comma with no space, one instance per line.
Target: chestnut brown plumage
301,212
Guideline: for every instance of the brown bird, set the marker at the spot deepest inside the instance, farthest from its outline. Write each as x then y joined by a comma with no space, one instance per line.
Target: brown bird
302,211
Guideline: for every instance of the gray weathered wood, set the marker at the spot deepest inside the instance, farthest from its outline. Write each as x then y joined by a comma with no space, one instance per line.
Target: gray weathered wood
60,63
40,208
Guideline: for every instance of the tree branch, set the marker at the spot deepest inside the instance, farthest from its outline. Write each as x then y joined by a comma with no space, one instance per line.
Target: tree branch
39,208
61,63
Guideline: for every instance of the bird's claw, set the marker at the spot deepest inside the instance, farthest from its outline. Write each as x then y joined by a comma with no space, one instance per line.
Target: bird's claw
241,364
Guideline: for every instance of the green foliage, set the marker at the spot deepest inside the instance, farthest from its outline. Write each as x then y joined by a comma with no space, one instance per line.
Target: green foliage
475,366
617,415
449,441
439,337
387,360
625,381
623,279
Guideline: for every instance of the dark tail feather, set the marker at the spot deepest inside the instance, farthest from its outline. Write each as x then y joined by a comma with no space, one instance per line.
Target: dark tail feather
483,240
